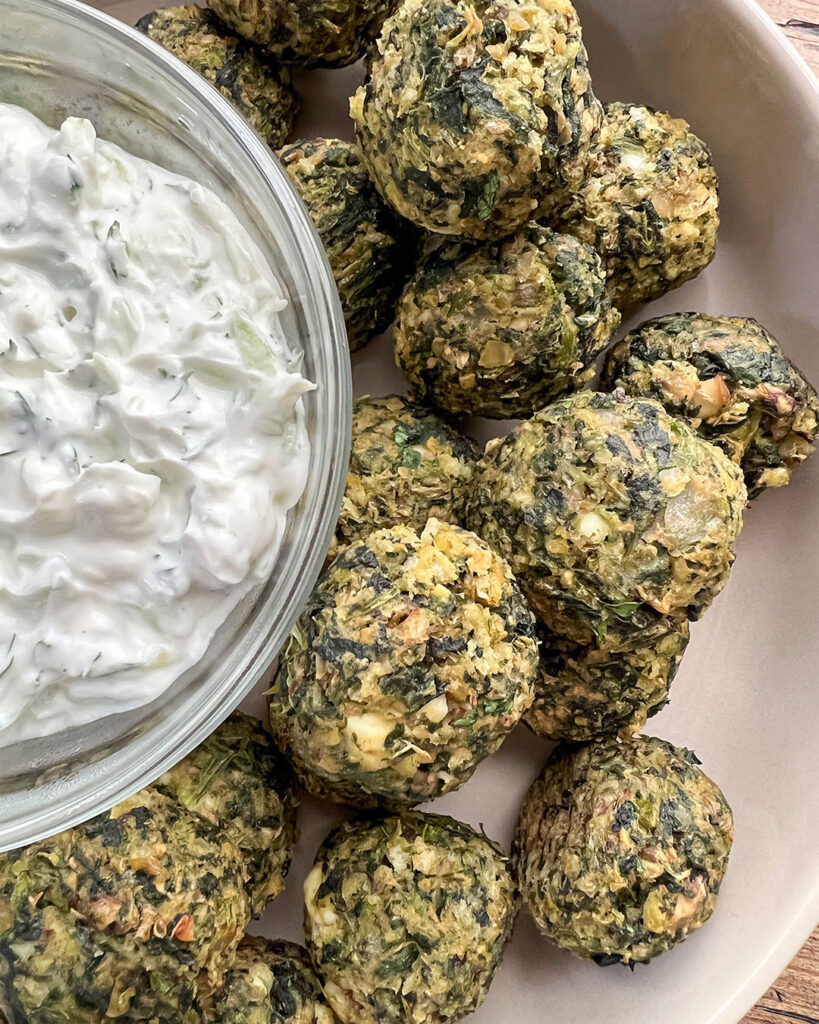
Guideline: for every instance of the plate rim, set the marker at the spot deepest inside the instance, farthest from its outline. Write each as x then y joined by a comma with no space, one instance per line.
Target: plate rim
804,82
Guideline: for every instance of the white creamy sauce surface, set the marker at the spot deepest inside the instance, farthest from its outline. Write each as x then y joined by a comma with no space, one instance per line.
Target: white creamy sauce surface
152,436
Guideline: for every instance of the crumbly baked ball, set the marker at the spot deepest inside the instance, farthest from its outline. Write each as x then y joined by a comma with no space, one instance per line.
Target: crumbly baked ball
413,659
610,514
406,918
475,113
621,848
406,466
133,916
582,692
728,378
649,206
270,983
244,74
362,236
310,33
239,781
502,328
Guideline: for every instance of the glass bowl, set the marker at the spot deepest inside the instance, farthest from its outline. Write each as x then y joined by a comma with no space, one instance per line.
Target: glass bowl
59,58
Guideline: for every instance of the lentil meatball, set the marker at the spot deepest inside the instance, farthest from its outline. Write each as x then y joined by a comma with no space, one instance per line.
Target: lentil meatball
728,378
610,514
586,691
406,466
621,848
649,205
502,328
239,781
361,235
132,916
243,73
310,33
406,918
412,661
270,983
475,113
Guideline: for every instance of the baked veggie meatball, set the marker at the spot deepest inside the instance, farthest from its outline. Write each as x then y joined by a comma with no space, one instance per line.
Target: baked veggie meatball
728,378
406,466
503,328
621,848
610,513
361,235
244,74
310,33
412,661
239,781
649,206
132,916
270,983
406,918
586,691
475,113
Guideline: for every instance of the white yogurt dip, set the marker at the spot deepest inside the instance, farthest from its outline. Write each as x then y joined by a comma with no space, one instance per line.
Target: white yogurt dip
152,437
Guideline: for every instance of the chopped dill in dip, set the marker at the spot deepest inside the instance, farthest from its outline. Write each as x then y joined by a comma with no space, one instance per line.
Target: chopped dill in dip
152,436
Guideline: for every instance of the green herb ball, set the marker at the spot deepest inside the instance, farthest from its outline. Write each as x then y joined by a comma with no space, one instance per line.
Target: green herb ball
649,206
239,781
502,328
621,848
407,917
243,73
610,514
475,113
133,915
310,33
406,466
582,692
412,661
270,983
728,378
361,235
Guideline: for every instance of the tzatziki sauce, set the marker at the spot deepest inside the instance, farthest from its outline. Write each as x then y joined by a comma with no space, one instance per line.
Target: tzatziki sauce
152,435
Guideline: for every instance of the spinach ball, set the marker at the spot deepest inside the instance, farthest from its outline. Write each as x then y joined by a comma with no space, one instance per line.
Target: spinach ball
475,114
244,74
611,514
649,205
407,917
361,235
309,33
412,661
728,378
406,466
621,848
582,692
503,328
239,781
133,915
270,983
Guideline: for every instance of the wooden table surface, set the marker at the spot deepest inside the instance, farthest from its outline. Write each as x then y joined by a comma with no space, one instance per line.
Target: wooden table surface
795,996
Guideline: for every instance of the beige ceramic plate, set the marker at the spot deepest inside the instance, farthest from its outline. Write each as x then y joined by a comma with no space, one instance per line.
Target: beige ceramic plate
745,698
